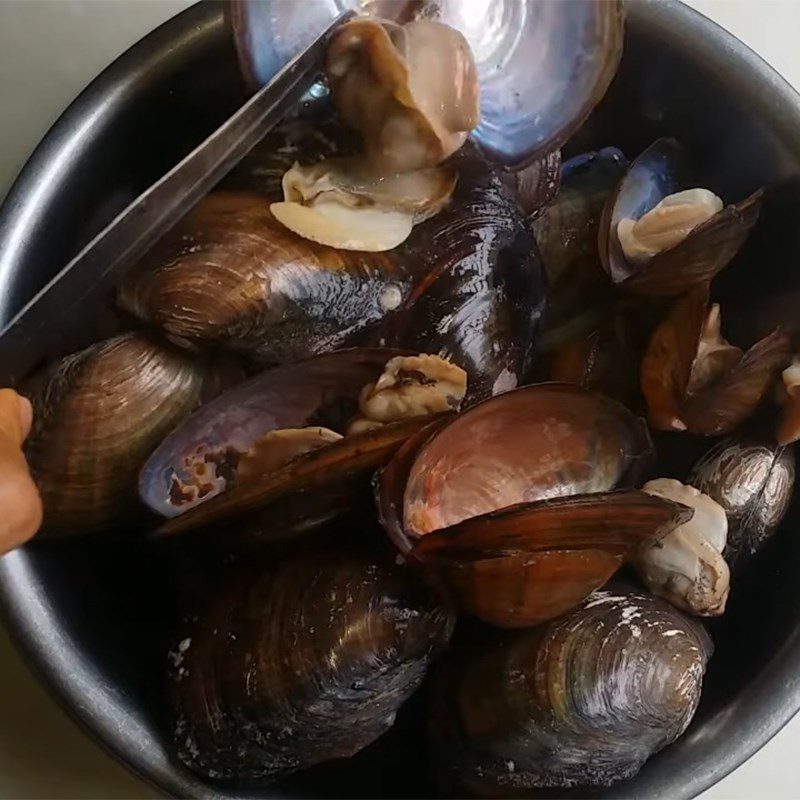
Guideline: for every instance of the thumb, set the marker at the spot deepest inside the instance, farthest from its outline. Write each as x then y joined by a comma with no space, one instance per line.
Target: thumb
16,416
20,504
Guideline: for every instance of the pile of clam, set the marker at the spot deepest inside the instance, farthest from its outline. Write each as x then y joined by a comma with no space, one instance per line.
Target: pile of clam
400,386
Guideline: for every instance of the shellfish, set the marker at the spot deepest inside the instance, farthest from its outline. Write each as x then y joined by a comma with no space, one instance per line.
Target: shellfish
510,509
581,701
97,416
298,664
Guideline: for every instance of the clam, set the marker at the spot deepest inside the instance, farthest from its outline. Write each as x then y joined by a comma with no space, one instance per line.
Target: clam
510,509
97,415
478,288
752,478
201,458
284,498
694,380
582,701
686,567
542,67
345,204
410,90
580,295
299,664
661,236
230,276
251,432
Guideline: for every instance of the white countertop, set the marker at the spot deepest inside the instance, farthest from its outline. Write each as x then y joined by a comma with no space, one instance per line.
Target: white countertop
49,50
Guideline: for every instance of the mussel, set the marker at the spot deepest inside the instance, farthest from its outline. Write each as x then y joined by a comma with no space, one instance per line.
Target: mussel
752,478
478,290
307,661
584,700
694,380
659,237
509,507
230,276
97,415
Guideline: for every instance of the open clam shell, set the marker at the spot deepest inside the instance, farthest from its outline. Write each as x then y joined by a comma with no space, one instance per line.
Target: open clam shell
542,67
733,384
536,443
298,497
200,458
507,508
520,566
662,170
582,701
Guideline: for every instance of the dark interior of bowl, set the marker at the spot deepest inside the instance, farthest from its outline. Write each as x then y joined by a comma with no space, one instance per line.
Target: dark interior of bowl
94,616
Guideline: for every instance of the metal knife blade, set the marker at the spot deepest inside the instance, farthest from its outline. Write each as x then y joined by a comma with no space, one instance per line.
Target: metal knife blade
51,318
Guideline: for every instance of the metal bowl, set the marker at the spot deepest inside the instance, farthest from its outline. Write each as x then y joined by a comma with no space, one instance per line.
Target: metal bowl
92,617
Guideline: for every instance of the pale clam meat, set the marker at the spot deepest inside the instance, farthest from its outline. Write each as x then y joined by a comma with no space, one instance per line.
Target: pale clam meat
411,91
686,567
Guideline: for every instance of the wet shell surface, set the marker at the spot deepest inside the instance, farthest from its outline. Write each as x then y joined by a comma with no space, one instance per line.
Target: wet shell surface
97,416
688,248
302,663
478,290
540,442
694,380
584,700
753,480
508,508
229,276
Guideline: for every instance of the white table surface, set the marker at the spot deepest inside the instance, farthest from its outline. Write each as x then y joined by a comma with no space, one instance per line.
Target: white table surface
49,50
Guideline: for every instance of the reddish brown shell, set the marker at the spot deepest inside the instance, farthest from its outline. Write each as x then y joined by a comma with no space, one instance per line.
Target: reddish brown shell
727,401
522,565
524,562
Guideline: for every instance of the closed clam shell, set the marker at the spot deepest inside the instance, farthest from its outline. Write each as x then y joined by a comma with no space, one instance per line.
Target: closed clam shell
304,662
584,700
753,480
97,416
229,276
